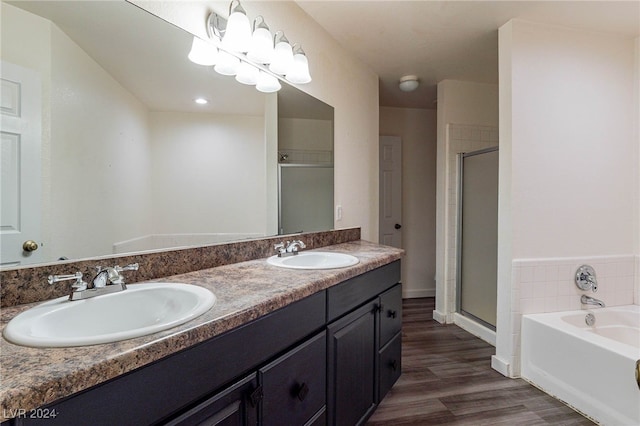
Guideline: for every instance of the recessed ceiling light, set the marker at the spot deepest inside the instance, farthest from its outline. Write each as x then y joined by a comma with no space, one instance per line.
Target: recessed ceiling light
201,101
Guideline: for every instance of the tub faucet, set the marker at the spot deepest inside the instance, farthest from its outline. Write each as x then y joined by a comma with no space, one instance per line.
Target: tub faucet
588,300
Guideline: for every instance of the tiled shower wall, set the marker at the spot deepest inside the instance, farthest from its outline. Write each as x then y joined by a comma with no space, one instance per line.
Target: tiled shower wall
460,138
548,285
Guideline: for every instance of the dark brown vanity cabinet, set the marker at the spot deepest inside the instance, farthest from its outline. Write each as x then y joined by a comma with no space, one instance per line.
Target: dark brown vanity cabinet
327,359
363,344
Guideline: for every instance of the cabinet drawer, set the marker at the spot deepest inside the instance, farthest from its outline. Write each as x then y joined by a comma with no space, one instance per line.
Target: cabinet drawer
352,293
233,406
294,385
390,365
390,314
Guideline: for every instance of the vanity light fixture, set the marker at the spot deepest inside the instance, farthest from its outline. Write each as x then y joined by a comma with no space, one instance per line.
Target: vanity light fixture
252,59
298,73
237,37
282,59
261,48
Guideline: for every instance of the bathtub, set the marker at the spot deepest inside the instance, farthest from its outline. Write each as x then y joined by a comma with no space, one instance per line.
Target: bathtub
591,368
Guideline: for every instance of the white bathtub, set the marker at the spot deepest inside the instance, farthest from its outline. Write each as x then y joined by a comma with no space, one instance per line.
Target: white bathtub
591,368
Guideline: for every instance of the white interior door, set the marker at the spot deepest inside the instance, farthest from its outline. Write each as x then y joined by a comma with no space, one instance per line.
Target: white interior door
391,191
20,196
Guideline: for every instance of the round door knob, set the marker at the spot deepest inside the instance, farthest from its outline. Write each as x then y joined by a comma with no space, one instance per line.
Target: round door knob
397,226
30,246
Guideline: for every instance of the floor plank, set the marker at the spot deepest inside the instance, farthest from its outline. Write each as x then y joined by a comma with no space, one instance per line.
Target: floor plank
447,379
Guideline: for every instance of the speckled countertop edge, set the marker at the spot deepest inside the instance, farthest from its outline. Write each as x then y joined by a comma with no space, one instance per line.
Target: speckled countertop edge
32,377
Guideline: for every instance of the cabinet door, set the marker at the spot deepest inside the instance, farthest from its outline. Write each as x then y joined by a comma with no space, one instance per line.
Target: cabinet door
352,349
234,406
390,314
295,385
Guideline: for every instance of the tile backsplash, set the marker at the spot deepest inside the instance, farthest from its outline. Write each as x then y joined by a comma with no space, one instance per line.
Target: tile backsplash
29,284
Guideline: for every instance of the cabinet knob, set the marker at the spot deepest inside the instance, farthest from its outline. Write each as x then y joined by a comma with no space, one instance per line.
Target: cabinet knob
394,365
391,313
303,390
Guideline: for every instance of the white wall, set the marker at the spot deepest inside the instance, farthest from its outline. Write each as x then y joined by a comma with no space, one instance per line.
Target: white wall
417,129
339,80
199,153
568,164
468,104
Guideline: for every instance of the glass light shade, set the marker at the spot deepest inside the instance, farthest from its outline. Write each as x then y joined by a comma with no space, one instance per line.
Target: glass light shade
203,53
261,48
267,83
299,73
247,74
282,58
227,64
237,36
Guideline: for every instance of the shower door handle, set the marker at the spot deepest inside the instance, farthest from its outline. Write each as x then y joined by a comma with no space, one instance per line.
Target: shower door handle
397,226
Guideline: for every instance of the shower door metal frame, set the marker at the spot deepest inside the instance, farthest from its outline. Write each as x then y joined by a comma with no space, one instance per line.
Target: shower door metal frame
461,157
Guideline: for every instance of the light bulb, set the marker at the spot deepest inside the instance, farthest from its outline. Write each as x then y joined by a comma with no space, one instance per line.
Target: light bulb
299,71
267,83
261,48
247,74
282,57
237,36
203,53
227,63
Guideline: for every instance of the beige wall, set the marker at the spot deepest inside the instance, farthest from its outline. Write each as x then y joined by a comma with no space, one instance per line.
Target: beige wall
339,80
568,165
417,129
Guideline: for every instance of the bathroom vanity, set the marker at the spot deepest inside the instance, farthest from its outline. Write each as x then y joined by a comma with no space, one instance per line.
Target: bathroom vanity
279,347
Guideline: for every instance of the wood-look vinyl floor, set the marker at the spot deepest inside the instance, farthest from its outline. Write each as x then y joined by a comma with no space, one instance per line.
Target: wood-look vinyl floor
447,379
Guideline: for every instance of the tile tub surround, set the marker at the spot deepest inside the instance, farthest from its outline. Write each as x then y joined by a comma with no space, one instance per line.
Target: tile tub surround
32,377
29,284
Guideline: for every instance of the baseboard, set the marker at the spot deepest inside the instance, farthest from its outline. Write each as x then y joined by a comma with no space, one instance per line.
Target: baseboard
440,317
474,328
500,366
416,294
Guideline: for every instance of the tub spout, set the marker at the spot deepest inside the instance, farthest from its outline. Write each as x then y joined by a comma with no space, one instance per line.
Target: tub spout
588,300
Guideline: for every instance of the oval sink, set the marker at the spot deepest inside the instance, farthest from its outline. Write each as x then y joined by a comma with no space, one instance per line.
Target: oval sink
139,310
314,260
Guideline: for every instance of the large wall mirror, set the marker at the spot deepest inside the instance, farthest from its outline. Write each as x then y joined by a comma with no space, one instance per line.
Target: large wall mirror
105,151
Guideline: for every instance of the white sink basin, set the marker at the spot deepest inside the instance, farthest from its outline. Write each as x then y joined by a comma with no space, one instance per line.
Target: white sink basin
314,260
139,310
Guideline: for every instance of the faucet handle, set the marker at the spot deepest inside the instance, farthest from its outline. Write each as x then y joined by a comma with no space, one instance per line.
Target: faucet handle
79,285
130,267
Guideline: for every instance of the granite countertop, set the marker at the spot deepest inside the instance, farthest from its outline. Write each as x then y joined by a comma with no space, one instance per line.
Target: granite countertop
32,377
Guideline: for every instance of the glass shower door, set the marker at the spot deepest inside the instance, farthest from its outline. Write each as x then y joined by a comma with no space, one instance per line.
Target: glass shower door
478,236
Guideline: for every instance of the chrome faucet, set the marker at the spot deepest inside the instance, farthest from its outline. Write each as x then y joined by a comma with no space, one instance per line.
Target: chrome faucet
588,300
107,280
290,248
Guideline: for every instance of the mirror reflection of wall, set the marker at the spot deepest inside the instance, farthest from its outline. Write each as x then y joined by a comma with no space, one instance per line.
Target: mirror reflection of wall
129,161
305,169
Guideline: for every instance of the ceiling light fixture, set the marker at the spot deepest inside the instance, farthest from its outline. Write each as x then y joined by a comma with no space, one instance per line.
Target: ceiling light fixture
409,83
254,58
201,101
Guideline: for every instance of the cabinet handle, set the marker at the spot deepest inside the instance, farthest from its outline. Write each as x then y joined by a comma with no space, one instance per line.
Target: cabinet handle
303,390
379,307
256,396
391,313
394,365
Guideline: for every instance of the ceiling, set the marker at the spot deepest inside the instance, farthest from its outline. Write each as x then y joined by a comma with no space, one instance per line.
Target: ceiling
440,39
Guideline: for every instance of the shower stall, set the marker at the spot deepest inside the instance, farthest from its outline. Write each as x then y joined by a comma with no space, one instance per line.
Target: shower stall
477,235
